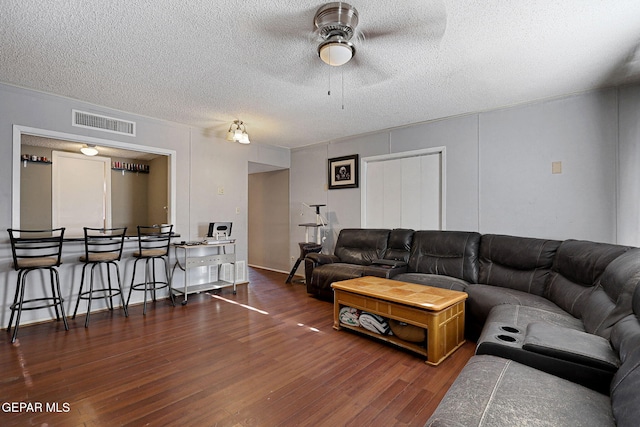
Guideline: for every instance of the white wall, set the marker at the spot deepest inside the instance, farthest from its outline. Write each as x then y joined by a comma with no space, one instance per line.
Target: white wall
499,169
629,167
518,192
203,162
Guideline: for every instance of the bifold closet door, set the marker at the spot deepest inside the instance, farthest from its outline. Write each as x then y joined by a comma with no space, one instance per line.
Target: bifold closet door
404,192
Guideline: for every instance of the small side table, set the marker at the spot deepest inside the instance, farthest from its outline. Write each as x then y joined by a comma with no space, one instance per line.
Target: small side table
305,248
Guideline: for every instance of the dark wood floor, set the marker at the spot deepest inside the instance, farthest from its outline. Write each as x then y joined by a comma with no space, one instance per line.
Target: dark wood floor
267,356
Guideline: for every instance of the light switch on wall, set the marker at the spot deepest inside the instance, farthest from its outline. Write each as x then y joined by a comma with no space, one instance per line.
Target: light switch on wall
220,191
556,167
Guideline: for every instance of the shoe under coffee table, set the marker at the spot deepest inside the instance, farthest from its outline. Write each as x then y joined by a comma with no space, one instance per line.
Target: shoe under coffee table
439,311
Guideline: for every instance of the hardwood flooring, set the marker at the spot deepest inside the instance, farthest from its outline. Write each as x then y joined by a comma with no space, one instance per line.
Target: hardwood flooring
267,356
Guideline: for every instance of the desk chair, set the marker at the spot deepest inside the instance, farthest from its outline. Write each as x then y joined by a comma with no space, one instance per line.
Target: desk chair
35,250
102,246
153,245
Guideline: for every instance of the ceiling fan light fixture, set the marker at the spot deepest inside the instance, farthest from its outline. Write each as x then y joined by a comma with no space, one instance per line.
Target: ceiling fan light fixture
336,23
336,52
89,150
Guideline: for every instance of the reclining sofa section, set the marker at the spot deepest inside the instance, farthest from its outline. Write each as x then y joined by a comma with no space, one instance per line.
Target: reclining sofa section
559,315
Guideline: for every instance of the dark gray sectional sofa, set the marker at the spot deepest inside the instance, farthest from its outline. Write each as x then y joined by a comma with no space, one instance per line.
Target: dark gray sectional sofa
556,322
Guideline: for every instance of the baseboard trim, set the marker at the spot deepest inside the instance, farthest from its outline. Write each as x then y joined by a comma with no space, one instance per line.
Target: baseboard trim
272,269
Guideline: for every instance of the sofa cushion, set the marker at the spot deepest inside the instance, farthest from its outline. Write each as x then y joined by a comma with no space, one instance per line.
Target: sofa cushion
492,391
519,263
361,246
521,316
448,253
577,267
434,280
483,298
610,299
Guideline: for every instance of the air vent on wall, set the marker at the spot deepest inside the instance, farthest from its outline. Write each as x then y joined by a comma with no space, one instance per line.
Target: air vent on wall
107,124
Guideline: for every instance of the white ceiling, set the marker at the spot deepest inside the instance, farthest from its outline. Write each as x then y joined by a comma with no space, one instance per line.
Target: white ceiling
205,63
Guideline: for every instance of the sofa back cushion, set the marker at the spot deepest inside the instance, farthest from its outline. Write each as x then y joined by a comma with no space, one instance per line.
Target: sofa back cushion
450,253
399,244
360,245
610,299
520,263
577,267
625,338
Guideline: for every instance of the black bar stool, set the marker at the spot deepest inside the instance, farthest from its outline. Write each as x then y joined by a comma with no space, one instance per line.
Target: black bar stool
305,249
36,250
102,246
153,245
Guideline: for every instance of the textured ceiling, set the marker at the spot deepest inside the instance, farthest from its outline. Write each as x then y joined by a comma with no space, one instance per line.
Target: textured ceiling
205,63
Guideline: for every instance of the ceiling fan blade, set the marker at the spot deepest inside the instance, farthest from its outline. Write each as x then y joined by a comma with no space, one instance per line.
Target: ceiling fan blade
363,72
419,19
286,26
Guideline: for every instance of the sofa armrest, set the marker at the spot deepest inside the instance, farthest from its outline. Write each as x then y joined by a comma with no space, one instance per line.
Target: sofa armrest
320,259
314,260
571,345
389,263
385,271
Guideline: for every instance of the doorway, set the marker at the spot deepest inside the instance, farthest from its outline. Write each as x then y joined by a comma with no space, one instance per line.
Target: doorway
268,218
80,192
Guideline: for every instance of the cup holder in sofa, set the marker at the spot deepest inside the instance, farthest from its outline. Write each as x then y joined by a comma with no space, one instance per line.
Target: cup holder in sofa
510,329
506,338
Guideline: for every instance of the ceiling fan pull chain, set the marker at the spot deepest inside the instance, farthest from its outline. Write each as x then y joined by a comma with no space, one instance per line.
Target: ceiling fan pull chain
342,79
329,92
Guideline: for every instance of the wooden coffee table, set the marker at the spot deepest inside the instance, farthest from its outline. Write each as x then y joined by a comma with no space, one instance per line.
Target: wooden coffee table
439,311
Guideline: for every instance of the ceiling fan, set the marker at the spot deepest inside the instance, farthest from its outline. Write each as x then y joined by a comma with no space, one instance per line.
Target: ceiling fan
335,24
385,34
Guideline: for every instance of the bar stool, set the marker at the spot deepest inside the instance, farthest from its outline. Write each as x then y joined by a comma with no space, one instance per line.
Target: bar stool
102,246
306,248
153,245
36,250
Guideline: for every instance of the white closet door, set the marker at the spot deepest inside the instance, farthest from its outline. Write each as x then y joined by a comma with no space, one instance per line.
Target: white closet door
81,193
404,191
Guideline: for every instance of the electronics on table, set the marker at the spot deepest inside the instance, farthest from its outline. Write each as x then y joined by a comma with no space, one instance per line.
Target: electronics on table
219,233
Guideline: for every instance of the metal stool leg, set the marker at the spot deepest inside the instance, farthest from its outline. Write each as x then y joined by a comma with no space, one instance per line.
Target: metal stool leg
293,270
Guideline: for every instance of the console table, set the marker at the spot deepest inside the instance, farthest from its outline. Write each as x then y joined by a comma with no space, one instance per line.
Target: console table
198,254
439,311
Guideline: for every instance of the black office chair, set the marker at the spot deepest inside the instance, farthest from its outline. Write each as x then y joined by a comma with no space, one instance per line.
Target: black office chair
102,246
35,250
153,245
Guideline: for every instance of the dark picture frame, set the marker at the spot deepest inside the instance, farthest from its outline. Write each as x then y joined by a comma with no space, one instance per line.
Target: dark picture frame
344,172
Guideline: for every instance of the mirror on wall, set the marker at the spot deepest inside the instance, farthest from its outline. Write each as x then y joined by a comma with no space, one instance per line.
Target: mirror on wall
135,185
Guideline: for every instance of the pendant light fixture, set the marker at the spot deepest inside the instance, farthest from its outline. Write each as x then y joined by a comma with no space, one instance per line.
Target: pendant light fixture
238,132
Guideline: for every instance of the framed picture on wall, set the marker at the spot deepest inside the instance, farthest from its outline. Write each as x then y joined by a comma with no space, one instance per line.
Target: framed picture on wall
343,172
